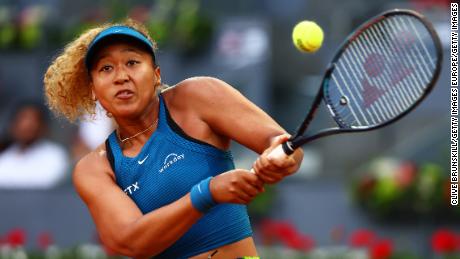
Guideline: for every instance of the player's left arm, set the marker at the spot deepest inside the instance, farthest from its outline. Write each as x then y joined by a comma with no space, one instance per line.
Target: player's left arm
230,114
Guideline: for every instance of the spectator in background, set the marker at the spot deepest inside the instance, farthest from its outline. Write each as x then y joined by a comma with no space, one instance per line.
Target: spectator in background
27,160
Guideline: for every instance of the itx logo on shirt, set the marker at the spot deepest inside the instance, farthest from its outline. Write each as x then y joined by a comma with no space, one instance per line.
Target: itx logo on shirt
132,188
170,160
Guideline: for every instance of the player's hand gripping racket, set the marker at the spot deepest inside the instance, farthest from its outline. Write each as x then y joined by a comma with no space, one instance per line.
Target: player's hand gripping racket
381,72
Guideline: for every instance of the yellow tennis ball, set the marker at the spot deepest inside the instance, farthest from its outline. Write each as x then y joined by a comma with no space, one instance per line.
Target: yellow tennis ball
307,36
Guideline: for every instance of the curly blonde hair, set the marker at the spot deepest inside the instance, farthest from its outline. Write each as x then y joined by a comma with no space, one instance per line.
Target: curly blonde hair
67,81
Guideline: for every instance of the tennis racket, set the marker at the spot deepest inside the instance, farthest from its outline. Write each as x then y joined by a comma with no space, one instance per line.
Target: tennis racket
382,71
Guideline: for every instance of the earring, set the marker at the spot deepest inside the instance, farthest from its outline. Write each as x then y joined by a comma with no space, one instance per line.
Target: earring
108,114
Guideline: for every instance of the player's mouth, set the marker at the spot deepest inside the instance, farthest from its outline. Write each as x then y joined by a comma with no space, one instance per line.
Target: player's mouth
124,94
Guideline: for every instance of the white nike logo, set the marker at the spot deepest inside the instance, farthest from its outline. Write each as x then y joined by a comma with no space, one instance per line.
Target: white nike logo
143,160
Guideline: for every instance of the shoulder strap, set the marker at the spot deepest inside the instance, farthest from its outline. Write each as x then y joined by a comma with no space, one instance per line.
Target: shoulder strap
164,111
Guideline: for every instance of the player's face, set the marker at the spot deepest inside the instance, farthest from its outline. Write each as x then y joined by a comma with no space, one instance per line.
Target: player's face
27,125
124,79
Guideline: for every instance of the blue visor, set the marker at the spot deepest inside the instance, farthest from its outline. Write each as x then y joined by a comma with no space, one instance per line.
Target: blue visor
116,31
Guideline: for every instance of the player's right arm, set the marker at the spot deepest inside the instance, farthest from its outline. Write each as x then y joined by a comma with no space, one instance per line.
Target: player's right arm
122,226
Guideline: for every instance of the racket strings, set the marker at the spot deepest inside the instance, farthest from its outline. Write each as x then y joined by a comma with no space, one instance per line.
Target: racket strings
357,55
352,74
404,94
409,23
376,111
414,65
369,86
385,80
416,52
382,72
409,92
391,104
407,56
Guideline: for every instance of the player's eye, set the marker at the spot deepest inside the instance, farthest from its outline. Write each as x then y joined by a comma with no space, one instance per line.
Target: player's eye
132,62
105,68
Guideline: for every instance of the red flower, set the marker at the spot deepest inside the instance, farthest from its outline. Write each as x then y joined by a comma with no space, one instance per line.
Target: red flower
381,249
286,233
406,174
362,238
16,237
44,240
366,186
278,229
443,241
300,242
458,242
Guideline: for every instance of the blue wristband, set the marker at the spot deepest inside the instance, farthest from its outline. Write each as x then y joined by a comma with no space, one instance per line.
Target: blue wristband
201,196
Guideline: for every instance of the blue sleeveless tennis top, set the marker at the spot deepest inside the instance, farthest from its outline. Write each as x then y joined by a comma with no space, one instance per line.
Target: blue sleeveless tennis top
169,164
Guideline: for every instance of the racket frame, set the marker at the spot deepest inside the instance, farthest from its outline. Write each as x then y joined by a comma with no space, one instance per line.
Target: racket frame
298,139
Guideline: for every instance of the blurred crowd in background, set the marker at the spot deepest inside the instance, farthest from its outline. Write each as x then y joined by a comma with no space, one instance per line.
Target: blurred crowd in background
381,194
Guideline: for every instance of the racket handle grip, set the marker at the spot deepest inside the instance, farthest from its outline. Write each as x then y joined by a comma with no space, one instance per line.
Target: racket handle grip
280,152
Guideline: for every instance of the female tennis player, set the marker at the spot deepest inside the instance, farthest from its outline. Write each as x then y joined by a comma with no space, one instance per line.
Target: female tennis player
163,185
